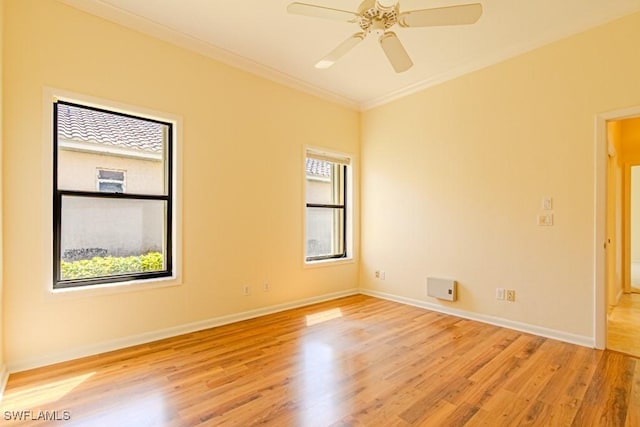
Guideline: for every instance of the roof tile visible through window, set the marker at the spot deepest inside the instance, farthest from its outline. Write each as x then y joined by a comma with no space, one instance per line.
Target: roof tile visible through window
87,125
318,168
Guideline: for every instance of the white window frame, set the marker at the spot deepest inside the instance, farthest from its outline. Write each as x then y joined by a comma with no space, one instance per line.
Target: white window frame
52,95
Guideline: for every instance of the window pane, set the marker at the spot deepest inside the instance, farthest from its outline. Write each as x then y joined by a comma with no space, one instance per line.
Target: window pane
107,237
110,187
112,175
325,182
89,139
325,232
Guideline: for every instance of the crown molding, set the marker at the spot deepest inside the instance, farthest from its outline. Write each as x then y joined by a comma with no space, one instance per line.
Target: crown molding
146,26
185,41
489,60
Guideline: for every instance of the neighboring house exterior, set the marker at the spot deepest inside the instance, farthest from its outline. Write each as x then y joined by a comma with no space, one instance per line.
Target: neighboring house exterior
320,222
99,151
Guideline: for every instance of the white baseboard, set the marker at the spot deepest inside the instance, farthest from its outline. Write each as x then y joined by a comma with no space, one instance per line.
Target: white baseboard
581,340
117,344
4,377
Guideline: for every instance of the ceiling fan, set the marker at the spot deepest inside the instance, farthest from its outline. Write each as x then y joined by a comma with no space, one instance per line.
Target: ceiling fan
378,16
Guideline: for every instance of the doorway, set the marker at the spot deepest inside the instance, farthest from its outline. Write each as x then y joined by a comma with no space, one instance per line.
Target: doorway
622,244
634,226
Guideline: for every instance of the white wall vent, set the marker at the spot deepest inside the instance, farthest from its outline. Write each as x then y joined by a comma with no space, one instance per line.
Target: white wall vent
445,289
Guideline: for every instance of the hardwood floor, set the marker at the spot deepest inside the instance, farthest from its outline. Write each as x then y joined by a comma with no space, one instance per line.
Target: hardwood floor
356,361
623,327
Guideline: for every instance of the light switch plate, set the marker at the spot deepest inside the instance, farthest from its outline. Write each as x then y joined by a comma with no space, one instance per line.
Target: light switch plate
545,219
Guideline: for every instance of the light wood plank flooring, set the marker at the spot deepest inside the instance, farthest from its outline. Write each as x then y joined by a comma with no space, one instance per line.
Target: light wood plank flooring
356,361
623,328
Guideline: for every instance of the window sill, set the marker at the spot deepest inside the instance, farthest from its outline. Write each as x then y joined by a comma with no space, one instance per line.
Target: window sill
114,288
328,262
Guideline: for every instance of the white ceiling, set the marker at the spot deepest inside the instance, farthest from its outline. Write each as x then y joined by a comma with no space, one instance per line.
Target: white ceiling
259,36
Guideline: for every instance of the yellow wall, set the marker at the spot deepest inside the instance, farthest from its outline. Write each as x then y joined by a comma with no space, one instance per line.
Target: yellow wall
453,178
243,173
2,358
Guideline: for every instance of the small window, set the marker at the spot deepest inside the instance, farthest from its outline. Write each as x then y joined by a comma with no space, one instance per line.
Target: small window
326,207
110,181
106,231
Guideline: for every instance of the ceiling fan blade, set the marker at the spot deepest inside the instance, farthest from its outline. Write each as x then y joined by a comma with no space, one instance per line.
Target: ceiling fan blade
395,52
321,12
451,15
342,49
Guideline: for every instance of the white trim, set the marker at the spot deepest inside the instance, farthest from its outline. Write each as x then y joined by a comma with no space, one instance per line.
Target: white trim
328,157
600,303
91,291
331,262
492,320
599,236
4,378
185,41
120,343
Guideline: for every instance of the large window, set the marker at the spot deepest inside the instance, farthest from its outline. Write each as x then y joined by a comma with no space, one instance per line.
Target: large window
326,205
103,230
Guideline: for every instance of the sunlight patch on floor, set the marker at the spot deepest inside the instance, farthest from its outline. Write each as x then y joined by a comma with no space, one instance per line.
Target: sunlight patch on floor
41,394
323,316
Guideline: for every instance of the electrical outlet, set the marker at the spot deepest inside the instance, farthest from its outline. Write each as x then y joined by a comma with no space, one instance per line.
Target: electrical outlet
266,287
246,290
377,274
500,293
511,295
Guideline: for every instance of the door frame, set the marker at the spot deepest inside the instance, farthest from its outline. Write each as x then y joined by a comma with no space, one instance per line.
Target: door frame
600,234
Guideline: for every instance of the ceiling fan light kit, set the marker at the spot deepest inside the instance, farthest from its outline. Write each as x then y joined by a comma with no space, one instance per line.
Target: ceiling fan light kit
378,16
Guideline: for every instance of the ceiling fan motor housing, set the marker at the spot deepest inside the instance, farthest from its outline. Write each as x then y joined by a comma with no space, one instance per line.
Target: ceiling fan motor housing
374,16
